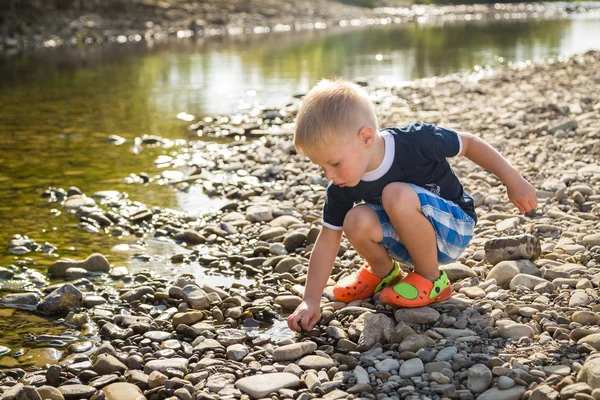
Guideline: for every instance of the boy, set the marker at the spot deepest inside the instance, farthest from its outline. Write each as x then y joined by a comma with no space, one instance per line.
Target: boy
415,209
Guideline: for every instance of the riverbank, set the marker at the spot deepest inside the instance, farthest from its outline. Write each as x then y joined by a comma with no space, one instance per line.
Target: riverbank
139,21
524,321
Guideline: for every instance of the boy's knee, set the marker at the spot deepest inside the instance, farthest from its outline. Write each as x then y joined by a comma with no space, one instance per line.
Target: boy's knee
361,219
398,197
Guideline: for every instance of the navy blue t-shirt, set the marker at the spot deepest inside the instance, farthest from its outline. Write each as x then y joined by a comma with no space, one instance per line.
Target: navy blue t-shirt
414,153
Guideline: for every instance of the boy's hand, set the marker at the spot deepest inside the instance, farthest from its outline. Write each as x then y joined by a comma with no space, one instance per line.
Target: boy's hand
522,194
307,314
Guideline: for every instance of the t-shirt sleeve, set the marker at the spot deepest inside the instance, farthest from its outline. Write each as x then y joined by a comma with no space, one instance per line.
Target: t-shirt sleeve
337,205
438,143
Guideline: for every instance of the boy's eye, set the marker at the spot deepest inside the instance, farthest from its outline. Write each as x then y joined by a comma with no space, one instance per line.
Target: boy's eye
335,164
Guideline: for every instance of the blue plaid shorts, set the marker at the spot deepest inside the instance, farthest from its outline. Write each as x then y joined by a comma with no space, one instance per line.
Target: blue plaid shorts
453,228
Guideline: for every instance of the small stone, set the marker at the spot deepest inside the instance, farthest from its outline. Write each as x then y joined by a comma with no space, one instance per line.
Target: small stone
315,362
61,301
106,364
156,379
446,354
387,365
237,352
590,372
529,281
260,386
94,263
543,392
504,382
516,331
50,393
419,315
514,393
76,392
122,391
179,364
512,248
411,368
479,378
288,302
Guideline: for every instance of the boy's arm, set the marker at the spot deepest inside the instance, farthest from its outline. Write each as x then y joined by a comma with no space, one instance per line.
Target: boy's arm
520,192
321,263
322,258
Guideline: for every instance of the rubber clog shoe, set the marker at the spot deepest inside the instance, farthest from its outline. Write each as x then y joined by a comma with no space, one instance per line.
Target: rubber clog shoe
416,291
364,284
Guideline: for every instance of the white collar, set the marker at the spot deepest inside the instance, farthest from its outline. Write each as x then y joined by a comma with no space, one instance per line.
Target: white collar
386,163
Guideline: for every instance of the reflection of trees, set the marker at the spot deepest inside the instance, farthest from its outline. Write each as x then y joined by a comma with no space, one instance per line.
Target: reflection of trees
436,49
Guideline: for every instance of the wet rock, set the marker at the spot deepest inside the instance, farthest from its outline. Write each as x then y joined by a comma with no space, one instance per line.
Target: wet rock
61,301
113,332
94,263
191,237
512,248
188,318
106,364
137,293
196,297
156,379
6,274
179,364
25,301
50,393
77,392
259,386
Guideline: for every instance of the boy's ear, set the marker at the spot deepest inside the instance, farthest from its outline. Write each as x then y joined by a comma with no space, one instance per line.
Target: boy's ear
366,136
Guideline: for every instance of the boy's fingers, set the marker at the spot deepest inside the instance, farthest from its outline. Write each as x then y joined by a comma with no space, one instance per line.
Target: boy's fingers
519,206
306,324
293,322
313,321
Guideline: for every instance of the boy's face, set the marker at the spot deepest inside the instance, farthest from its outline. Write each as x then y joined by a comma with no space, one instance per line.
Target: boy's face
344,161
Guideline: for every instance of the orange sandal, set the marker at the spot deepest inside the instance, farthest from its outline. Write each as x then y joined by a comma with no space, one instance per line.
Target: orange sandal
364,285
416,291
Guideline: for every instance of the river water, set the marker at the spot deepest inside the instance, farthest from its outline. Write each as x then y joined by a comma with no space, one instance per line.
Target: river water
58,106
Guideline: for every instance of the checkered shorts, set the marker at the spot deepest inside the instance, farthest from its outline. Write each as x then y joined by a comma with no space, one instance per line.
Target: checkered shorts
453,228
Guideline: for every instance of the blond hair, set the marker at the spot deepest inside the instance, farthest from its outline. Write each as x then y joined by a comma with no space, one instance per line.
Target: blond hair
329,110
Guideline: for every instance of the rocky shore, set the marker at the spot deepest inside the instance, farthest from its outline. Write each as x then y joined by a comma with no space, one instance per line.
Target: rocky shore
138,21
524,322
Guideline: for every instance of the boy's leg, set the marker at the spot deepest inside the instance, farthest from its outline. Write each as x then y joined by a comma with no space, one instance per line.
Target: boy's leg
364,232
428,230
402,205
